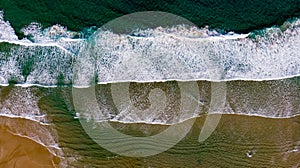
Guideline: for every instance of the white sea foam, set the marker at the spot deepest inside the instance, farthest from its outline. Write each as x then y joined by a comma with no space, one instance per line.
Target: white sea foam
39,35
22,103
44,135
162,56
194,117
31,63
153,55
166,80
6,31
27,117
26,43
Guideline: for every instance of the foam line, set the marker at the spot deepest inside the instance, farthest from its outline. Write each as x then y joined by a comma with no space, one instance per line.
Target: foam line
28,44
25,85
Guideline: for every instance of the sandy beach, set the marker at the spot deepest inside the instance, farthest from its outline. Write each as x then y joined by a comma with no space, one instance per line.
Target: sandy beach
17,151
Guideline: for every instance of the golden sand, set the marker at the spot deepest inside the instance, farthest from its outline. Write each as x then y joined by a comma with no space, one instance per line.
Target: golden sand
18,152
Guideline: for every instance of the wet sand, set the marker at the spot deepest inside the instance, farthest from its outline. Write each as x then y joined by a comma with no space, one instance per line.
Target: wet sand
238,141
17,151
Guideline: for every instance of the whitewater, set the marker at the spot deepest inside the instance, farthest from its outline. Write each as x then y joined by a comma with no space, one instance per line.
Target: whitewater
269,63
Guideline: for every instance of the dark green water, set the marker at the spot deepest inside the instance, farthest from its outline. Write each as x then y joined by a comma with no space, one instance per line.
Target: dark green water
239,16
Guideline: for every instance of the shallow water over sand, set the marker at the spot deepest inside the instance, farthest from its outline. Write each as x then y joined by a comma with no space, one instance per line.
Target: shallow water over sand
17,150
240,139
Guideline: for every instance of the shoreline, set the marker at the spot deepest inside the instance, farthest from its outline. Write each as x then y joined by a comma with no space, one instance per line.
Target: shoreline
17,151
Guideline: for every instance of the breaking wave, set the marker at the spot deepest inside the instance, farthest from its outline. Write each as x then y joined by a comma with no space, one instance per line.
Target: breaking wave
54,57
160,54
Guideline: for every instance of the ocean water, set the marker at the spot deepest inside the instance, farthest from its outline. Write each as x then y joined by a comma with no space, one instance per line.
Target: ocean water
239,16
258,73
